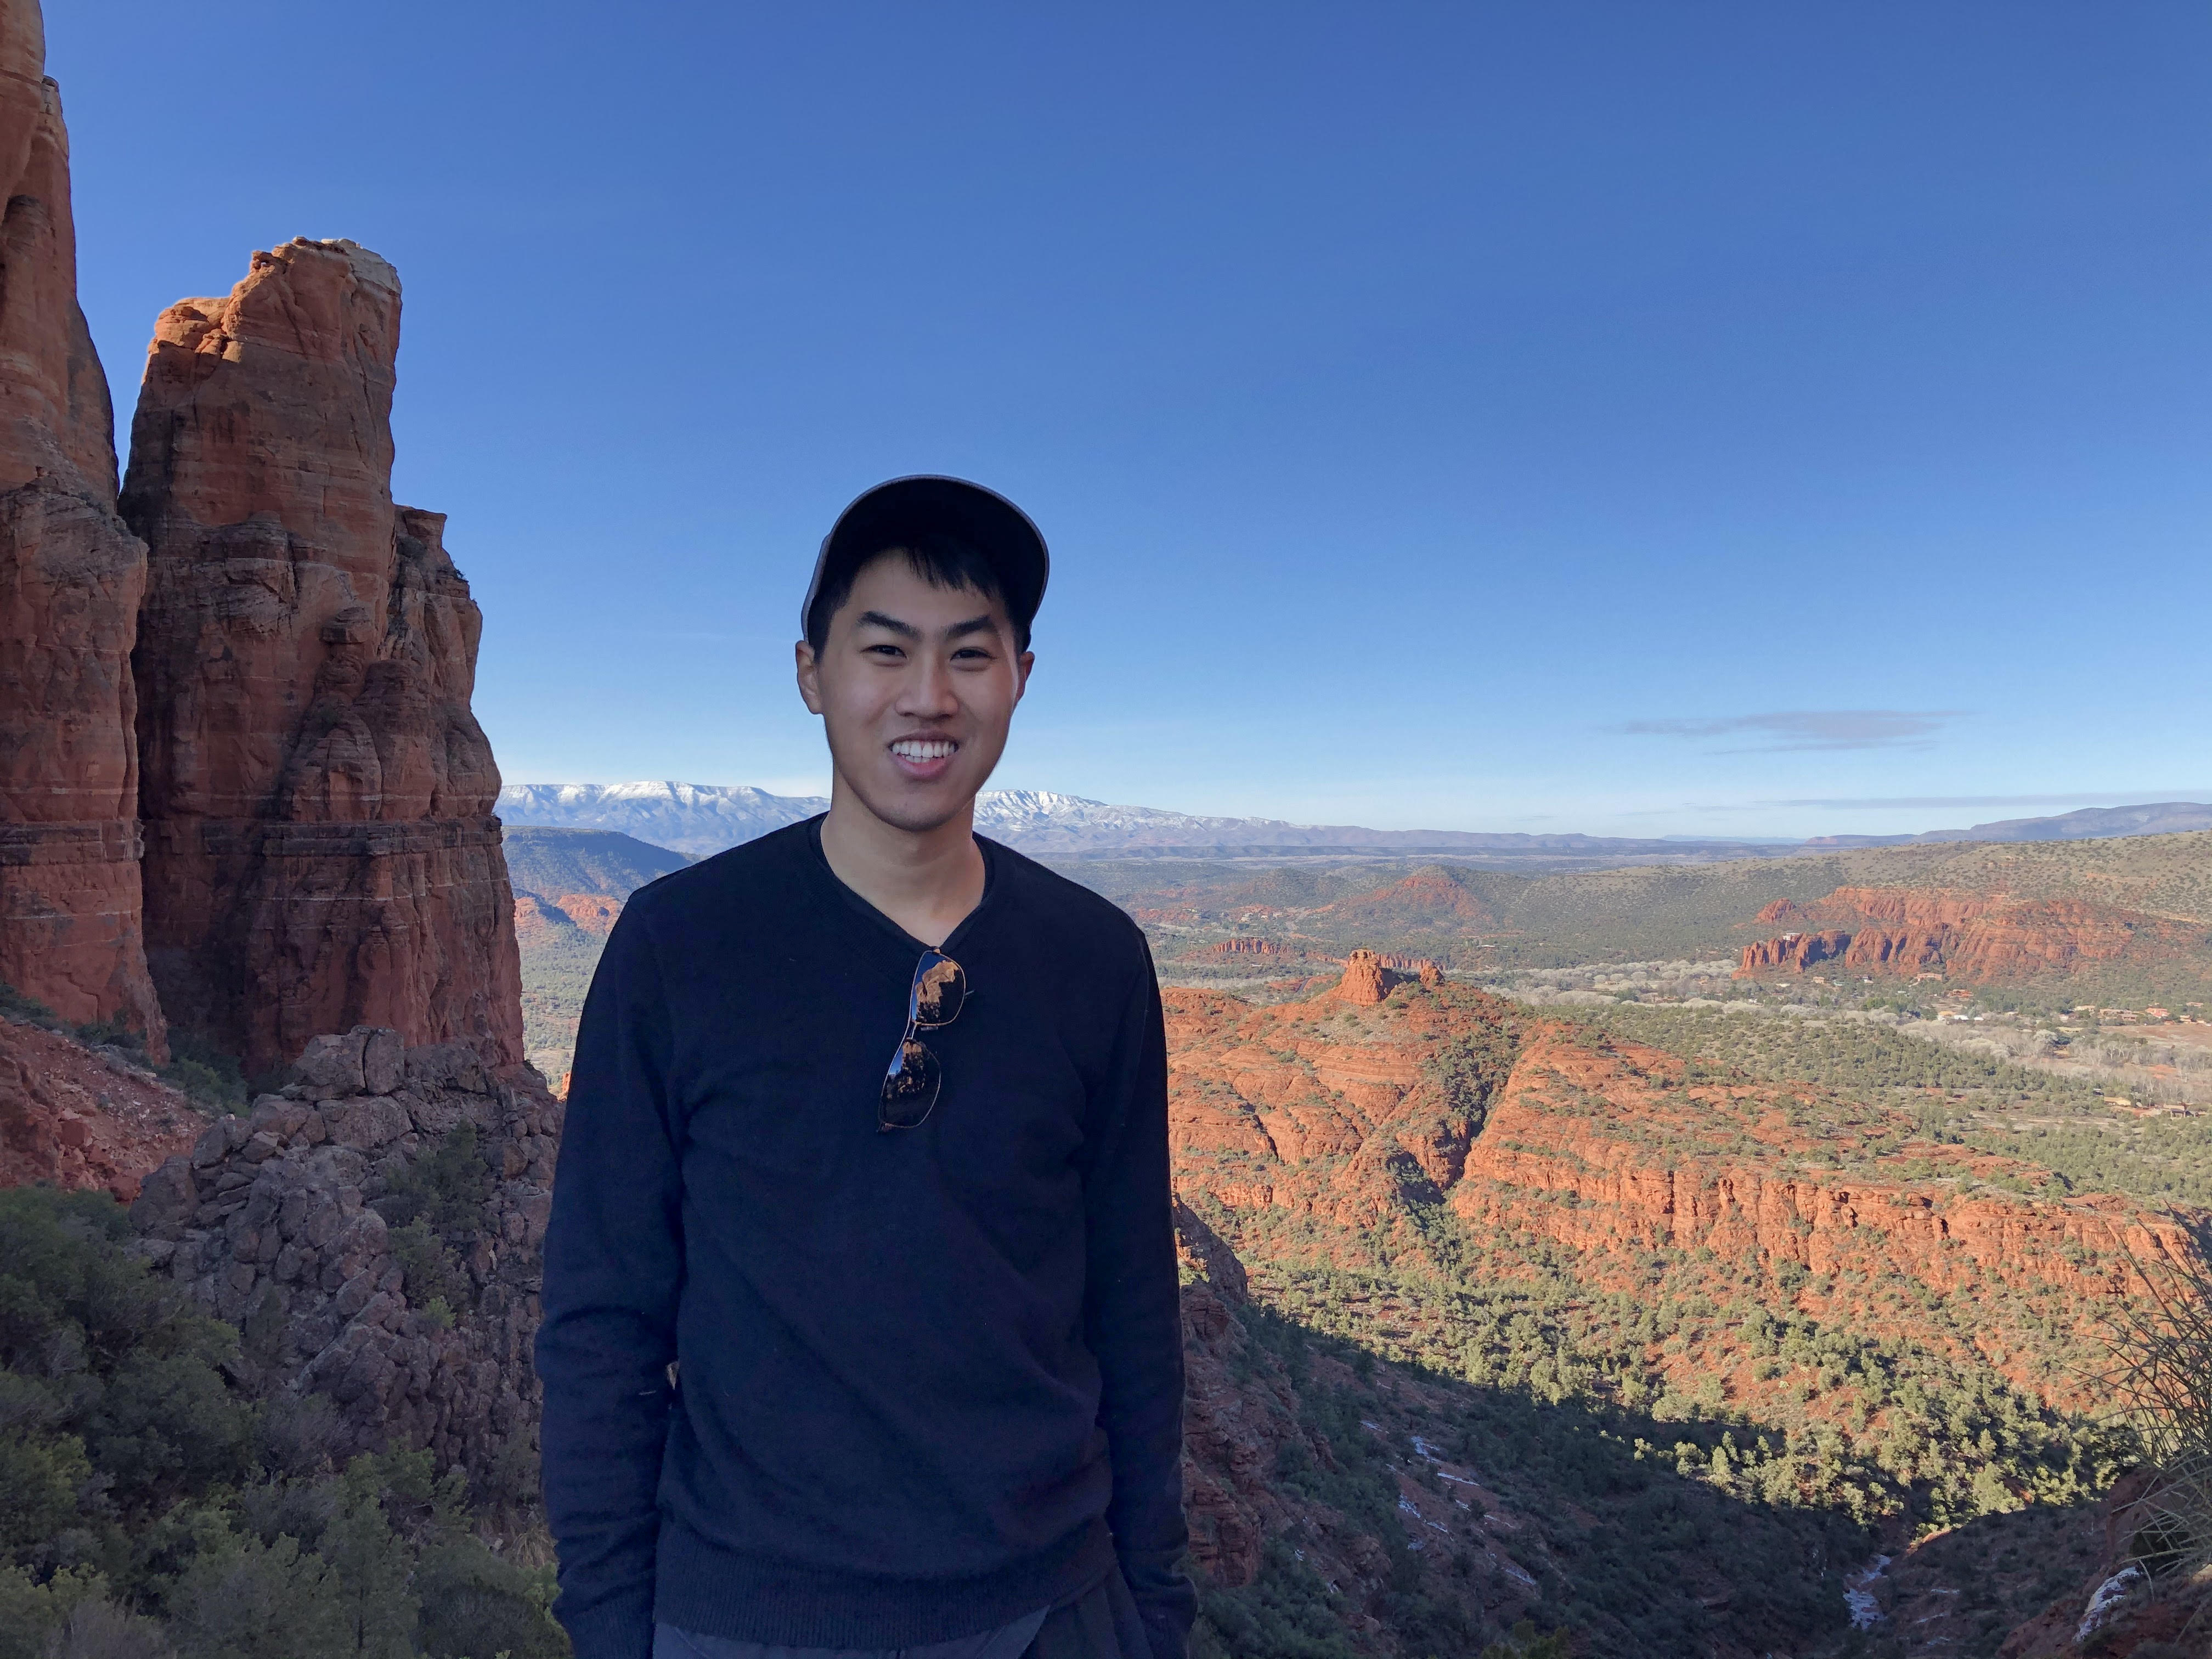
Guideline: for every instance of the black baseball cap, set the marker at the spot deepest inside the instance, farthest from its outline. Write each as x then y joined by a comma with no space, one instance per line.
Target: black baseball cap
891,514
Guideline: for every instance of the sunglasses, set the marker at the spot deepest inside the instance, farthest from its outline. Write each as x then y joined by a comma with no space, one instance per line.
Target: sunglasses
912,1082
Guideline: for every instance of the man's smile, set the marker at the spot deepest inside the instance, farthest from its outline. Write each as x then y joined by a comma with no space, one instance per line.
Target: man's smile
924,759
924,749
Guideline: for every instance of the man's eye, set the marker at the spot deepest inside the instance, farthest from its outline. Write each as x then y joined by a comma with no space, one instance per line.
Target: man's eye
886,650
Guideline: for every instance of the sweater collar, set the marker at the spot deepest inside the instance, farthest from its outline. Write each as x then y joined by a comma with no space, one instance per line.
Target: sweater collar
821,861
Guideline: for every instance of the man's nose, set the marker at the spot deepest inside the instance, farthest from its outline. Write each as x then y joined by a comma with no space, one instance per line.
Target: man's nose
927,691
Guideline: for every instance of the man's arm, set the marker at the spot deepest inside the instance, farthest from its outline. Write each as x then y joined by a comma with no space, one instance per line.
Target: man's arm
1133,1319
614,1266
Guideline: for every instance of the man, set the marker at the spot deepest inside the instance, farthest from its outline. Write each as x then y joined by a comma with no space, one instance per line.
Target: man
860,1329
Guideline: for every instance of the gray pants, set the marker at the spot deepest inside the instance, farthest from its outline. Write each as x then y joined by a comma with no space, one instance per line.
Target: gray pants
1100,1624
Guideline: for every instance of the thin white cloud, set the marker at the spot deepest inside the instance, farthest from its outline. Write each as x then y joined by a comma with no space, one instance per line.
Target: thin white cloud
1809,729
2106,798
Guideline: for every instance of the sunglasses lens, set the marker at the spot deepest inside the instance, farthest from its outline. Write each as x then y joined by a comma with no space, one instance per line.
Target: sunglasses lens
909,1088
938,990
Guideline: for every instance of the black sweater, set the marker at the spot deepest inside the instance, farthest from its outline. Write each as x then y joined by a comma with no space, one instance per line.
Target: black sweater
930,1379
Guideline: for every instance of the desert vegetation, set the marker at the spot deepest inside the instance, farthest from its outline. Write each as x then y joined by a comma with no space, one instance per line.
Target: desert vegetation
150,1509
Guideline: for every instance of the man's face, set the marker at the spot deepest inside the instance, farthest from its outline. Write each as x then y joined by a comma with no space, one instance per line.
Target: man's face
916,686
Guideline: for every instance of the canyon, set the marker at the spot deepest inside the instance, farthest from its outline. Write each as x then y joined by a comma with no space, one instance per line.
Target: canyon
1493,1313
1762,1287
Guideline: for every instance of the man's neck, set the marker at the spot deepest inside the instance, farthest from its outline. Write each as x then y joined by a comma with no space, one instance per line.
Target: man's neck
924,880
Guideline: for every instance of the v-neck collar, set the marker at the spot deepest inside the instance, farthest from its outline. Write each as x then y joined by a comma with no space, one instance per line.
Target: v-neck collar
862,905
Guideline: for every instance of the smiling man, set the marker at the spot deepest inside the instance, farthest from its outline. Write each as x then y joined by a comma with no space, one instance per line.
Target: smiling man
861,1332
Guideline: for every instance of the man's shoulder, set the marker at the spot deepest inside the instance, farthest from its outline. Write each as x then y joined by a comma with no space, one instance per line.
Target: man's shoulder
1066,907
755,875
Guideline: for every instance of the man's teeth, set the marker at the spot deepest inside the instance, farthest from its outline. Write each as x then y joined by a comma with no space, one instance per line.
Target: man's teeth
917,749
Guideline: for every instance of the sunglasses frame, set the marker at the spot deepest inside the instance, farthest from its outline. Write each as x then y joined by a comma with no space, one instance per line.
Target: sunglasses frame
914,1057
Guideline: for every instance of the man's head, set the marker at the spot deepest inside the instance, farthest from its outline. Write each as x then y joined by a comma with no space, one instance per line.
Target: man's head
916,644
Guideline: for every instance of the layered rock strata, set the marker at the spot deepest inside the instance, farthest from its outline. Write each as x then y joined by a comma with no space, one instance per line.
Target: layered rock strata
276,1222
1347,1125
71,575
318,795
1977,938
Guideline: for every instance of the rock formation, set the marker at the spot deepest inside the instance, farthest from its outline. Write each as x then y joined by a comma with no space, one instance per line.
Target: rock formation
1528,1131
1365,981
1984,938
70,579
278,1223
75,1116
1793,952
318,796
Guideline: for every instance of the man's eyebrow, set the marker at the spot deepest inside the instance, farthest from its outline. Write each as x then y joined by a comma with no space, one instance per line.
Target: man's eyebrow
876,619
982,624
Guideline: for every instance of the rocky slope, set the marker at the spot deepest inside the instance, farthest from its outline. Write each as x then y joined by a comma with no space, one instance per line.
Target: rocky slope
1879,1330
72,1114
72,574
318,796
373,1229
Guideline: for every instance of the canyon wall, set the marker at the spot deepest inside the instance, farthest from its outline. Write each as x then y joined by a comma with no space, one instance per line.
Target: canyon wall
1981,939
320,851
71,575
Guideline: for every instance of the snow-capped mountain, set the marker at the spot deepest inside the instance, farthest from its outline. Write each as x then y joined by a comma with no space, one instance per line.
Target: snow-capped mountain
693,819
697,819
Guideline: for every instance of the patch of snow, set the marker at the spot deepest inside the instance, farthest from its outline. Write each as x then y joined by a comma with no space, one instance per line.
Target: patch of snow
2110,1593
1859,1595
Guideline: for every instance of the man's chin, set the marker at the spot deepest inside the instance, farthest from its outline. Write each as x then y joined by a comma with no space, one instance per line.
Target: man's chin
916,809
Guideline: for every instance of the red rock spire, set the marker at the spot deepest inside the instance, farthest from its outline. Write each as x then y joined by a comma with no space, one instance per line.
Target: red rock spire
318,796
70,579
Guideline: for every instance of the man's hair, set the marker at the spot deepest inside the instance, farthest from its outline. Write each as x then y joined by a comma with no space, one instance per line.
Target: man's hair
940,559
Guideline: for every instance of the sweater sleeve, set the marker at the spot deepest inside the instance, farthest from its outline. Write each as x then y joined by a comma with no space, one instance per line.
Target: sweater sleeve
614,1268
1133,1319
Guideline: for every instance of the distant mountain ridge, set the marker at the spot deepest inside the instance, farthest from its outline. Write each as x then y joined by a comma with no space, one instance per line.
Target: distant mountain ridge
698,819
2170,817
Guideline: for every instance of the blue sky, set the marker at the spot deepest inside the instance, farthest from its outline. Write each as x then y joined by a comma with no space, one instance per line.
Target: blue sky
1700,419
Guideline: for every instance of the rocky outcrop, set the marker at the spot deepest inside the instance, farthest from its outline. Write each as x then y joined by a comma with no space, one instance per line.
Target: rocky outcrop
1365,981
1981,939
72,1114
1793,952
374,1231
70,579
1547,1164
1344,1135
318,796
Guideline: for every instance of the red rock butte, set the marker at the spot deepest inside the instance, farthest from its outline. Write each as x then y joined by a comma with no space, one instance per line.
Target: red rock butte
1976,938
71,575
320,851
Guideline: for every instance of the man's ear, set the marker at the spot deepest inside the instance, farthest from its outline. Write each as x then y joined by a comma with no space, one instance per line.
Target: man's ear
1022,664
810,676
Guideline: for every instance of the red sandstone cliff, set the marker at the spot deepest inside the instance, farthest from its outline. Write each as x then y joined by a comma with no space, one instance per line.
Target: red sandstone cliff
1983,938
318,796
70,578
1344,1121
